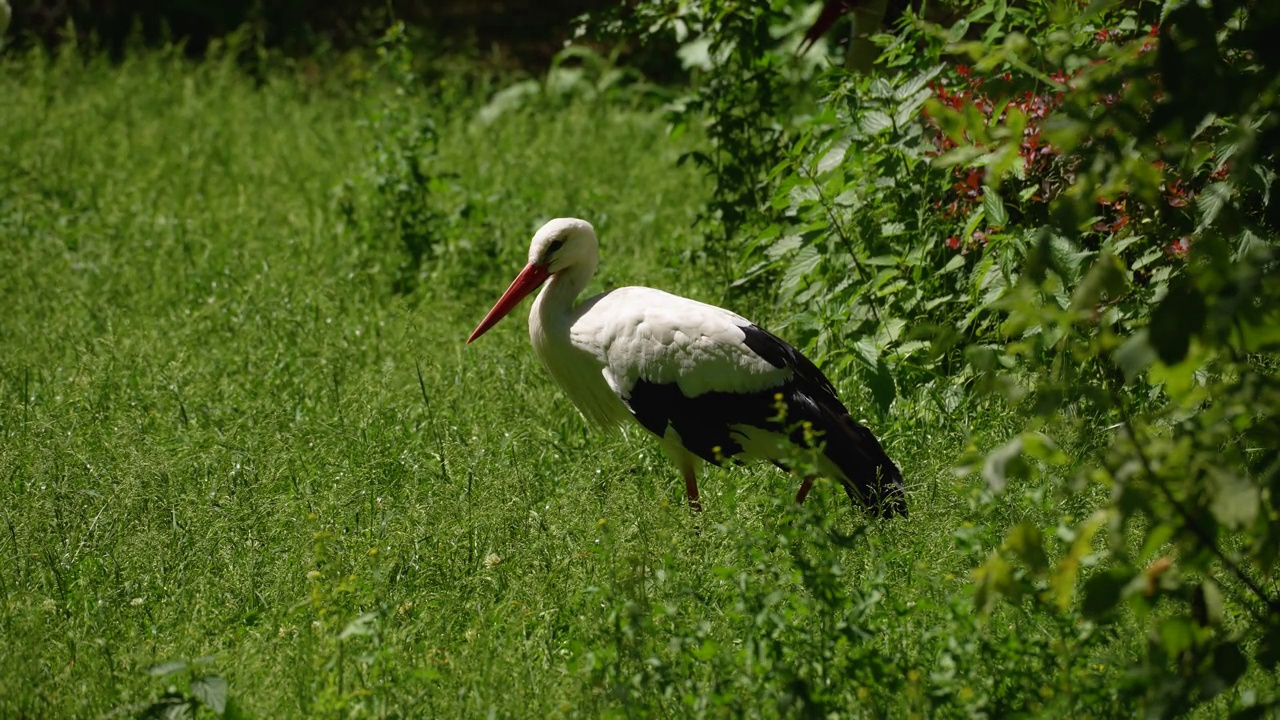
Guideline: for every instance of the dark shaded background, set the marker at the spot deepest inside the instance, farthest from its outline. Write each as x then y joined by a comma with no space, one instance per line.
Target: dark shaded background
530,31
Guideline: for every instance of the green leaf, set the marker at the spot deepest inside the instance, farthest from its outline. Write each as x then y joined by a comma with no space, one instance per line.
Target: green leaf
363,625
992,284
956,262
997,215
1027,543
994,578
170,706
981,357
875,121
168,668
1097,7
910,108
833,157
1105,279
1062,584
1179,315
1178,381
1206,603
961,155
211,691
707,650
783,246
1102,592
1176,635
1210,203
802,263
1260,337
1066,259
1235,500
1248,244
917,83
969,226
1041,447
1134,355
1157,536
996,468
1116,244
1147,258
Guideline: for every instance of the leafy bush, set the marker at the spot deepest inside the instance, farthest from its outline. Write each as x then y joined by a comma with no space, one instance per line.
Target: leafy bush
747,89
1069,213
402,178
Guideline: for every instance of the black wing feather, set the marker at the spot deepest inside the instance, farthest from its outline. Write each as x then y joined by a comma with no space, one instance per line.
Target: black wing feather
704,422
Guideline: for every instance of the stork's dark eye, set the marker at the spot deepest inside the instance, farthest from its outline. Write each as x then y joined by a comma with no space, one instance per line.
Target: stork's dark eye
554,246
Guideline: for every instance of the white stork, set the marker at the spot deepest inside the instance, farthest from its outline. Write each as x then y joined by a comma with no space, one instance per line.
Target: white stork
706,381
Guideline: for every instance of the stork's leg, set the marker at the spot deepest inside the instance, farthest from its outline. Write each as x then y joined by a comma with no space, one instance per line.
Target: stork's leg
805,487
687,462
690,485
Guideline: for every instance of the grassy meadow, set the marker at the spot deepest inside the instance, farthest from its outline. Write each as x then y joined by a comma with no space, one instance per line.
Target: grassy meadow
228,440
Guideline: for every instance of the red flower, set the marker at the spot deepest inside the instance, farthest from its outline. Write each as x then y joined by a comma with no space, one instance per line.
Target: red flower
1175,194
953,242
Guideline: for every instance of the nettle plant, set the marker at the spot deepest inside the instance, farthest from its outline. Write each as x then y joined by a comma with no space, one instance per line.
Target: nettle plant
1147,298
394,207
1112,240
746,86
1067,208
910,206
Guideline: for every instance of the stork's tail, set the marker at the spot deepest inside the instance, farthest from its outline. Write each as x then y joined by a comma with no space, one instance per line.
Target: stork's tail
870,477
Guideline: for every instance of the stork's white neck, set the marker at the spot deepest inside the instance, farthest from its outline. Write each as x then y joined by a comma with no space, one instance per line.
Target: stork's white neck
555,304
573,359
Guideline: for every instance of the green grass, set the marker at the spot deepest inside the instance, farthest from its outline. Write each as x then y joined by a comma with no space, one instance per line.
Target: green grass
215,441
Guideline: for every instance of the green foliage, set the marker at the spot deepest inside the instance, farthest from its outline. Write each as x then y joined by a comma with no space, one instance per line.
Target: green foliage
402,210
1195,404
222,436
746,87
1069,214
577,74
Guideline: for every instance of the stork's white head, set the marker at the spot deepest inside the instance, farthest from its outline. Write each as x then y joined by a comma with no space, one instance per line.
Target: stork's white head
563,242
559,245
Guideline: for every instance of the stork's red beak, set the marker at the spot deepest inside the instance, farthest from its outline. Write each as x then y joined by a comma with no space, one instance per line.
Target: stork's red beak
529,279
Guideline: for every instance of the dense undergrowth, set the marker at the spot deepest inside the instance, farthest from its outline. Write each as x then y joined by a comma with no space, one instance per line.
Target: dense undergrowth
249,469
1067,207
